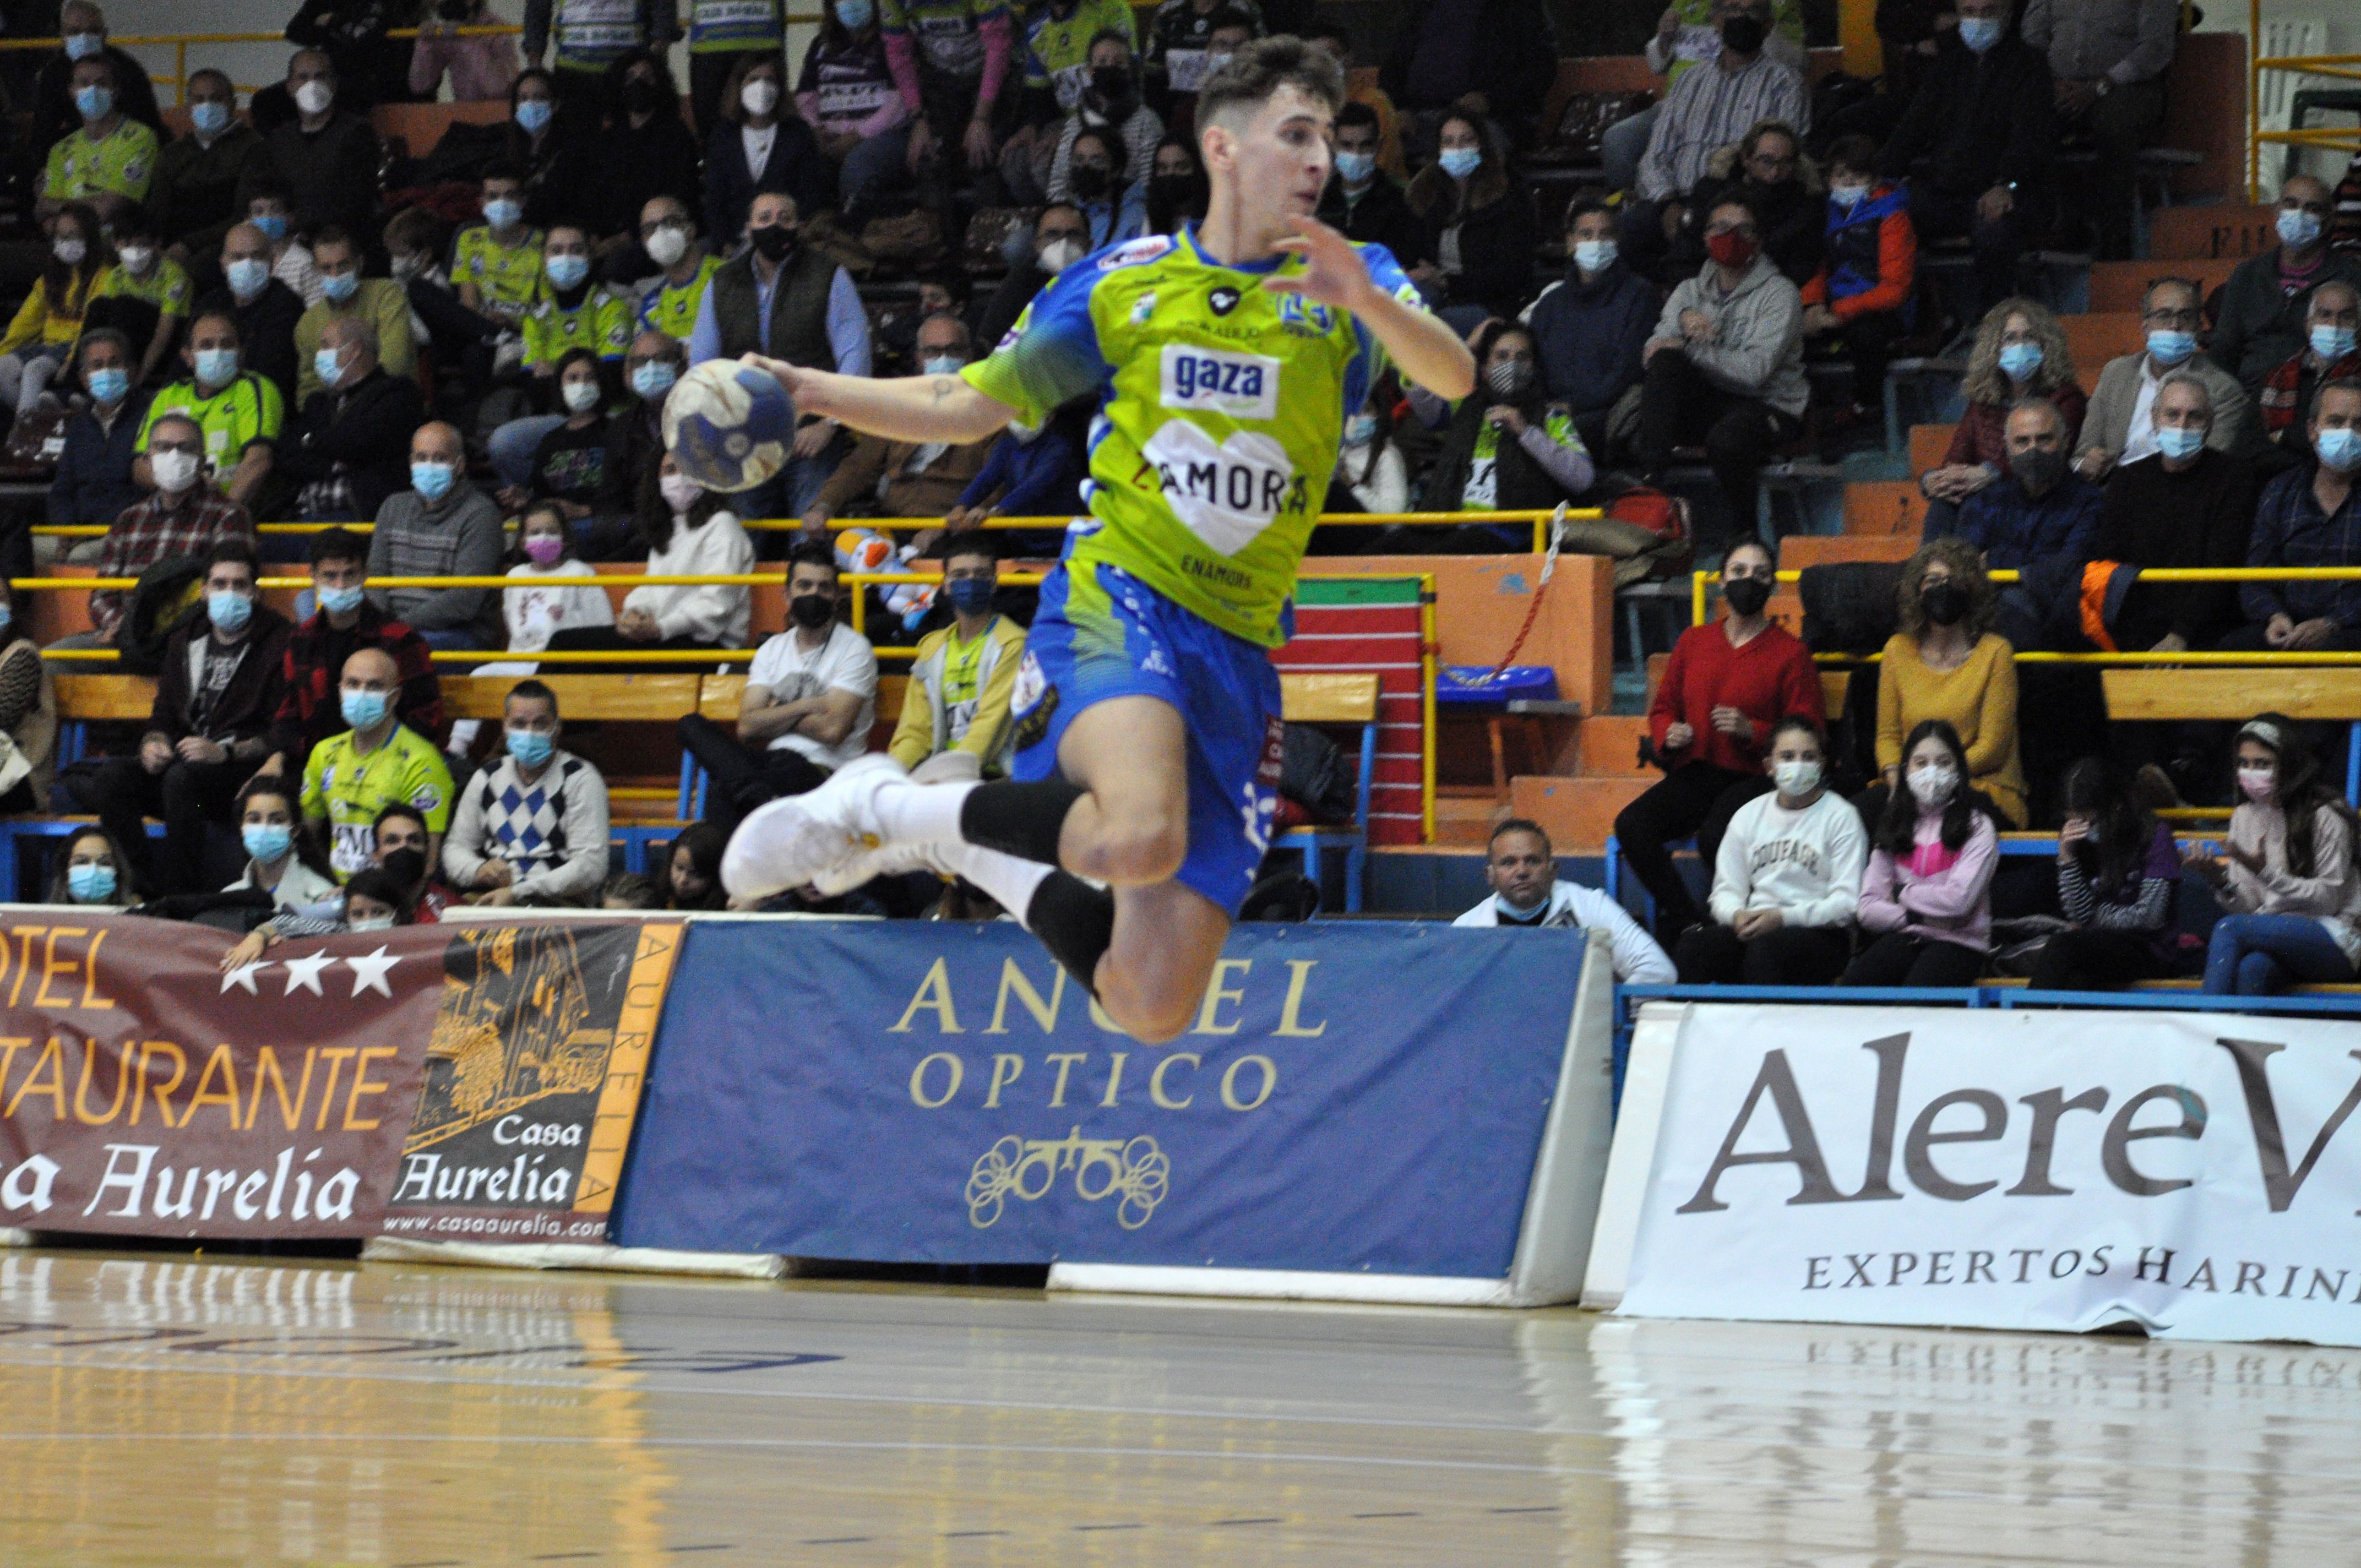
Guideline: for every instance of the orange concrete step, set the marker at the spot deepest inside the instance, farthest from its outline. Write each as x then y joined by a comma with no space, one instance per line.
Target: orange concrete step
1465,816
1608,747
1578,813
1799,551
1885,508
1928,445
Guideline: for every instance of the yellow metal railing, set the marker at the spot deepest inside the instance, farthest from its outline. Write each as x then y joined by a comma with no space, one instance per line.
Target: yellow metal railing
2345,66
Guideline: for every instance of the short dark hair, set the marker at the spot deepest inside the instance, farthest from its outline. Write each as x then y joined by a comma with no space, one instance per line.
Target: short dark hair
1256,71
398,809
1809,726
1855,152
376,882
1521,825
132,222
233,550
338,544
966,541
1358,114
221,314
1582,207
812,552
334,233
533,691
279,784
268,187
1733,198
504,170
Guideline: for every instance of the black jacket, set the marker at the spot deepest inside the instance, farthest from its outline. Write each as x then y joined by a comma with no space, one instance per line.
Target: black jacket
249,703
2197,517
332,170
602,179
795,168
1514,63
1496,250
1382,217
367,429
1978,120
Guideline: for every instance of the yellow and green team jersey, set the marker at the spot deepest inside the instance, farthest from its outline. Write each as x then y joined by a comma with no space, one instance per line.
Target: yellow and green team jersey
167,288
120,163
1058,51
673,310
1483,485
247,411
349,790
1222,409
507,277
601,323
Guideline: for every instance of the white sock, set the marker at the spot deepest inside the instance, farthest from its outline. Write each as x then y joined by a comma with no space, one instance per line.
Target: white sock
922,813
1013,881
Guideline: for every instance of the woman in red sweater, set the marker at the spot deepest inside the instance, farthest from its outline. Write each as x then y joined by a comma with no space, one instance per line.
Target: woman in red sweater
1729,683
1860,301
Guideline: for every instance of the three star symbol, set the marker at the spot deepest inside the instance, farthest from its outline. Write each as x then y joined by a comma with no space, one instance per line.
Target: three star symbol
369,974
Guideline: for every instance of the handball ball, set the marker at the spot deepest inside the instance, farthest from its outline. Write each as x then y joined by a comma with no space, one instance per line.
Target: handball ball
728,425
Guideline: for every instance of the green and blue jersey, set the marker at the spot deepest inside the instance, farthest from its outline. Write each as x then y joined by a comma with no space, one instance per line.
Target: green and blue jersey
1222,406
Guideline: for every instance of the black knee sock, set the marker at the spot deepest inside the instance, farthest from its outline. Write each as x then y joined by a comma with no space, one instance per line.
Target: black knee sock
1075,921
1020,819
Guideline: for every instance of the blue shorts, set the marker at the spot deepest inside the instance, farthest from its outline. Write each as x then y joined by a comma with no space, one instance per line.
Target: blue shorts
1102,633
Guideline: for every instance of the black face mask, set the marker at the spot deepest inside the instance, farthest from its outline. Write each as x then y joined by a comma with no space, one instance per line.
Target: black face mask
812,611
1172,189
1946,603
1089,181
641,96
1743,35
1747,596
776,242
1112,84
406,867
2036,470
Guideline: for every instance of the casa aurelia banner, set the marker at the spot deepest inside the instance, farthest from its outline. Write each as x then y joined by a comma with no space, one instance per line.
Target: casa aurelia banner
2196,1174
421,1080
1347,1098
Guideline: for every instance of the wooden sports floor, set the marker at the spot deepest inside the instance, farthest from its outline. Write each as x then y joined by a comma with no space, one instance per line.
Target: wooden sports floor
183,1412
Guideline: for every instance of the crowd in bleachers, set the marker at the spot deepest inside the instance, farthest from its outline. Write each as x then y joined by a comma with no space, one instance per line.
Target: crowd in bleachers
264,313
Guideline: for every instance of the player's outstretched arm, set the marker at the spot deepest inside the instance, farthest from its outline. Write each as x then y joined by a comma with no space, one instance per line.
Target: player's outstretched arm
1423,347
898,408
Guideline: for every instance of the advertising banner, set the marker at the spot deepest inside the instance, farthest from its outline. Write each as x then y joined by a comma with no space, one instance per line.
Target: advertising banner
1348,1098
427,1081
2192,1173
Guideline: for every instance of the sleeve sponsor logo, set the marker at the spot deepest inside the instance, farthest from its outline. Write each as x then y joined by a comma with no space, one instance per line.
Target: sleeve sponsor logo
1136,252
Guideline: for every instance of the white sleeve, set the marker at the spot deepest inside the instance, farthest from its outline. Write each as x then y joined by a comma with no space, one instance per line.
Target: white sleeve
1731,885
854,667
1477,918
1637,959
1846,850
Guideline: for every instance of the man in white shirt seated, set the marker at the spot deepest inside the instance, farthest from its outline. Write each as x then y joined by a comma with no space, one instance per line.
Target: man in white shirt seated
811,698
1526,890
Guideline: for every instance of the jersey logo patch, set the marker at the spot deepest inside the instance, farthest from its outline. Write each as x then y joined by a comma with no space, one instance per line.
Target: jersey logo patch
1223,301
1225,495
1132,253
1242,386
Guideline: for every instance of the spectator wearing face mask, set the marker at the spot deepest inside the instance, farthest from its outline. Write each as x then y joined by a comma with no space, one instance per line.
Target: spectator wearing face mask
1768,169
906,479
93,872
2286,873
1369,466
220,684
327,157
552,592
414,242
262,309
1946,663
183,517
635,432
108,160
2266,304
193,197
1861,300
572,311
1479,221
669,300
482,66
410,851
1060,55
638,148
2309,516
1060,237
2329,353
238,413
2020,352
530,829
2192,507
1035,470
278,860
1364,203
51,319
1591,327
2121,424
93,482
373,900
497,264
442,526
1108,103
376,763
757,143
1925,898
955,722
346,295
2042,521
812,698
270,205
345,623
146,295
1115,207
590,36
688,532
2118,878
1506,447
82,29
349,449
1177,191
1522,871
1787,880
846,93
1188,40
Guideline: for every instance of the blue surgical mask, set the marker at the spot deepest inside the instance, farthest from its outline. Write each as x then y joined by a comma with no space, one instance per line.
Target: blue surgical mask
82,45
217,366
2341,449
1980,33
110,385
266,841
2297,227
272,225
228,612
567,271
325,364
361,709
2331,343
503,213
1459,162
248,277
1595,255
1361,429
856,13
211,119
969,596
530,748
93,103
2170,348
654,378
90,883
6,615
339,601
2018,361
431,480
942,365
2177,443
1355,166
532,114
340,286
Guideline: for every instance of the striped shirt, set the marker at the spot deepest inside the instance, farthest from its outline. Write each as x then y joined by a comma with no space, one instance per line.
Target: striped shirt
1709,110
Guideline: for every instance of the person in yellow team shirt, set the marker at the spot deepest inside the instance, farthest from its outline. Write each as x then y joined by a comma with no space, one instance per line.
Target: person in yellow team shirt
954,722
147,293
668,234
50,321
378,761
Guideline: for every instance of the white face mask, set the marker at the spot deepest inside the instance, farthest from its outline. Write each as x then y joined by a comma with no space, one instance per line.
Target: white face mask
1934,785
680,492
136,259
759,96
314,97
667,245
174,471
1797,777
370,923
1060,253
580,396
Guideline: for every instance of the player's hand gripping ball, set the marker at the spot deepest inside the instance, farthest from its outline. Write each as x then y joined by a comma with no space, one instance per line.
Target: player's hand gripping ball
728,425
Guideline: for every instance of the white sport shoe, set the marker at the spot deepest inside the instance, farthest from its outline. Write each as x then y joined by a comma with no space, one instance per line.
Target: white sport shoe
791,842
868,865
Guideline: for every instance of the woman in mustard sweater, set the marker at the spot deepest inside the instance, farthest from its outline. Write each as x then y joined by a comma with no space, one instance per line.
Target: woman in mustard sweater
42,337
1946,663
